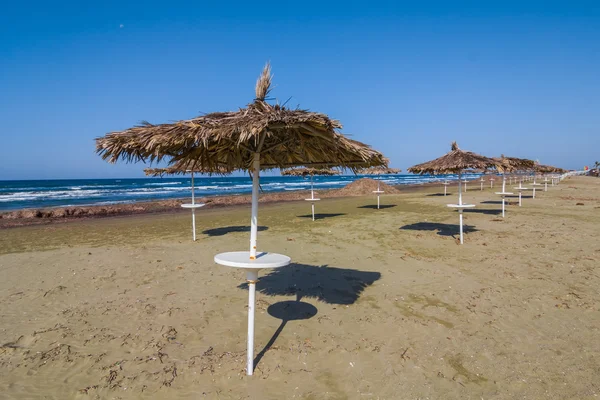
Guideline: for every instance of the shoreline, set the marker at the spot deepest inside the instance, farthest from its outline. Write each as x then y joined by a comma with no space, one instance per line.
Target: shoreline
49,215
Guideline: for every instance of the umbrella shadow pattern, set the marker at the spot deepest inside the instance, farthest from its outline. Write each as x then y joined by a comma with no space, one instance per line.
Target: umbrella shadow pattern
327,284
231,229
442,229
322,215
374,206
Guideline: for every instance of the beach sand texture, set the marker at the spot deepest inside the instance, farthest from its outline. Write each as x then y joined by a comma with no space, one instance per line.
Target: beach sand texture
129,307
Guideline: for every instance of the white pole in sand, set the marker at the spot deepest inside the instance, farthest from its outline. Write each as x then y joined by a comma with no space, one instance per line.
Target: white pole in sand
481,184
460,210
252,275
445,188
312,196
193,211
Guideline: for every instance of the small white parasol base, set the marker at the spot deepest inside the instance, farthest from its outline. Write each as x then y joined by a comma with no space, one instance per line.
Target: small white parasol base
520,189
193,207
241,259
313,206
503,194
460,210
378,192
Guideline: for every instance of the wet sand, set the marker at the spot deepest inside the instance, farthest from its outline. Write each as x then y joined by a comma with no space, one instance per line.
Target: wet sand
391,307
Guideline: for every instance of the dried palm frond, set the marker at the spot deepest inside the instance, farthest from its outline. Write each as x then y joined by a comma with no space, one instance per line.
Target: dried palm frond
455,161
309,172
379,171
513,164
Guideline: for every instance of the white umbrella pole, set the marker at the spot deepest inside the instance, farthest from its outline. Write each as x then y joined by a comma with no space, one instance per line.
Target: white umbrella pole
252,278
519,198
460,214
445,188
503,205
534,191
378,194
193,212
312,196
503,183
254,219
481,186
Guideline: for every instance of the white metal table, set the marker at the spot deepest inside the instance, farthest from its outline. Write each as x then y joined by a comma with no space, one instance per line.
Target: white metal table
242,259
503,194
313,206
520,189
460,208
193,207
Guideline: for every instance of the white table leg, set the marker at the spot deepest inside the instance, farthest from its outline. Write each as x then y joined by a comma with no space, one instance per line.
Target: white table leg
251,277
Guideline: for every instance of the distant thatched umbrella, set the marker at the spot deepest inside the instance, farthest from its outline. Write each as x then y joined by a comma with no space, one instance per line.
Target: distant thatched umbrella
181,168
304,172
260,136
383,170
512,164
455,162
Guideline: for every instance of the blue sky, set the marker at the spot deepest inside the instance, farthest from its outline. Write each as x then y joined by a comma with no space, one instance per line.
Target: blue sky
519,78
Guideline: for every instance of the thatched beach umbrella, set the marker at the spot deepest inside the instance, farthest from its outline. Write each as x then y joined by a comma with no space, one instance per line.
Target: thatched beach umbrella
181,168
260,136
304,172
382,170
455,162
510,164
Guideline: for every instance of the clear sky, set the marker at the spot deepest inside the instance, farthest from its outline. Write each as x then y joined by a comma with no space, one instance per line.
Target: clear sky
515,77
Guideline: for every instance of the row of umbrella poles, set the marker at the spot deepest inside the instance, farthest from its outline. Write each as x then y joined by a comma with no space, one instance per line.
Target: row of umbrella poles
517,178
458,161
261,136
302,172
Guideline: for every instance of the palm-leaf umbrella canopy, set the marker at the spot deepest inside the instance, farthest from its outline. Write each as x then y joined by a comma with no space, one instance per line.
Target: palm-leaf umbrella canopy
182,168
284,138
547,169
511,164
259,136
382,170
455,161
309,172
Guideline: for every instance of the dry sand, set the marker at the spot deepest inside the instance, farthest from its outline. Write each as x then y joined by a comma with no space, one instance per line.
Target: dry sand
130,307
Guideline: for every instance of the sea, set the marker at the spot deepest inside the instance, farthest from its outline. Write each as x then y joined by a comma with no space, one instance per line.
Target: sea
16,195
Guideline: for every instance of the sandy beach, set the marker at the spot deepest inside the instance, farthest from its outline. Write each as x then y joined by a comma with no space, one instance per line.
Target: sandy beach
128,307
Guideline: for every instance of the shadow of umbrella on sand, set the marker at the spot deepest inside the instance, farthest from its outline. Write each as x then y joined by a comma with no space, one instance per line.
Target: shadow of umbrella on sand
327,284
324,283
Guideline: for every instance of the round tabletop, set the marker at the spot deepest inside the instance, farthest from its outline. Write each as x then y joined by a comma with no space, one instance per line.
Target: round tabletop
315,199
445,183
241,259
461,205
521,188
504,193
378,191
536,184
196,205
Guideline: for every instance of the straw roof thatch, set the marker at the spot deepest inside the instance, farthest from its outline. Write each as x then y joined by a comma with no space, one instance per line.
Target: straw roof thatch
512,164
284,138
455,161
309,172
379,171
183,167
548,169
